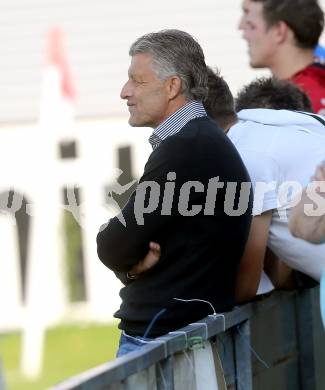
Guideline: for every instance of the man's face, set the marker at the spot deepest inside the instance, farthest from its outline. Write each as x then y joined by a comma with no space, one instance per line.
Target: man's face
146,95
261,39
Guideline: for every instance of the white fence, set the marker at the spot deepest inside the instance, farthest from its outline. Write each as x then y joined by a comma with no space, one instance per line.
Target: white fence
33,169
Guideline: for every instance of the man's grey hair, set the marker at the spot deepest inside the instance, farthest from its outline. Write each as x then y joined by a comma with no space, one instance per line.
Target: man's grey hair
176,52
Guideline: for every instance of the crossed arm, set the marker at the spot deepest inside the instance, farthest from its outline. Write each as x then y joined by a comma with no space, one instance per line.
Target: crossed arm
251,265
120,246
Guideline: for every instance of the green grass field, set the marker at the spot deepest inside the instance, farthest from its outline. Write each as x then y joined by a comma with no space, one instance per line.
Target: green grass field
68,350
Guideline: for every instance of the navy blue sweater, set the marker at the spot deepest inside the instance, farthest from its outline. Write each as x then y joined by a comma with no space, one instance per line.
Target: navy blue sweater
200,252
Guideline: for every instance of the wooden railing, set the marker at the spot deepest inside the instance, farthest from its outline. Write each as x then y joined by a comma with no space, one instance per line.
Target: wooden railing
276,342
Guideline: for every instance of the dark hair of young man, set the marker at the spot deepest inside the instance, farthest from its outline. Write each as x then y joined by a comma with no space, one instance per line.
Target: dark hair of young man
267,92
219,104
304,17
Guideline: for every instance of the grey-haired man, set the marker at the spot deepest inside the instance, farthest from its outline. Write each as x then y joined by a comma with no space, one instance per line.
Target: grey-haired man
180,200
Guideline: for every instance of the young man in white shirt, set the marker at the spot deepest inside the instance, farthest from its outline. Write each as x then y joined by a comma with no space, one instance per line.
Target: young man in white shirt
280,149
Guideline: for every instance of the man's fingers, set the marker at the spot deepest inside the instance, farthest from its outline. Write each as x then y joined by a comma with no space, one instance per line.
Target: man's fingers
149,261
154,245
155,249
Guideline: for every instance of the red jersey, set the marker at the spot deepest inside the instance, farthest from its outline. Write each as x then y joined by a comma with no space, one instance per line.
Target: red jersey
312,81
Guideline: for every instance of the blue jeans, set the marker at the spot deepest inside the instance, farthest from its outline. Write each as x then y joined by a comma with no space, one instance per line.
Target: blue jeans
131,343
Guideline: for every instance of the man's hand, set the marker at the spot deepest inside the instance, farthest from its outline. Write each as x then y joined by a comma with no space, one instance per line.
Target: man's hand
309,227
148,262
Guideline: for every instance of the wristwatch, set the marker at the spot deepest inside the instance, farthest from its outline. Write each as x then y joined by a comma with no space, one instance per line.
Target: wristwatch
131,276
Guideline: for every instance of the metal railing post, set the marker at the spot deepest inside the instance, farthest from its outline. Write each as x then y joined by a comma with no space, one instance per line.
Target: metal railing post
165,374
304,310
243,358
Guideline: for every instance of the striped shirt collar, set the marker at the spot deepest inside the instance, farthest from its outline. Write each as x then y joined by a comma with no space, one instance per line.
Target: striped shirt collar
175,122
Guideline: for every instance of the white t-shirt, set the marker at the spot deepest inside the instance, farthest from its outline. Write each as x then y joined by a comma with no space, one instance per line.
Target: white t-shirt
282,149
